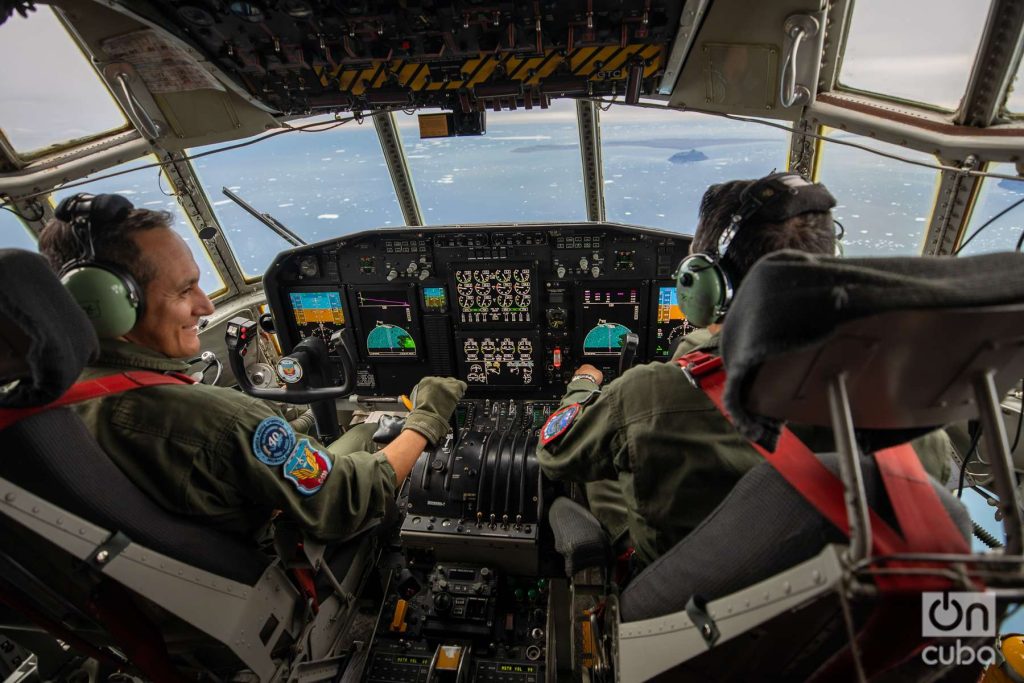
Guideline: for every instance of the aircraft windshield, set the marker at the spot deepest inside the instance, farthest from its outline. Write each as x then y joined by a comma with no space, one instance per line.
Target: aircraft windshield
1015,100
996,195
54,95
319,184
148,188
657,164
884,204
918,50
13,233
526,168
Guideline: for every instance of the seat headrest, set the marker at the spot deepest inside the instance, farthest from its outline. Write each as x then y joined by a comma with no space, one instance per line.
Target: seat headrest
45,337
793,302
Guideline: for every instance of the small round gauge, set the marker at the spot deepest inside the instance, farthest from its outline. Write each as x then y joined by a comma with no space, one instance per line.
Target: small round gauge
681,330
309,267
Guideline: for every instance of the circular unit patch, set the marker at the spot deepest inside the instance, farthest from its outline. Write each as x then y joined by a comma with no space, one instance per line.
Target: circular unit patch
273,441
289,370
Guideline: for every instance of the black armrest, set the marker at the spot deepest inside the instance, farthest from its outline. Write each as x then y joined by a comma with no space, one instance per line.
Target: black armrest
579,537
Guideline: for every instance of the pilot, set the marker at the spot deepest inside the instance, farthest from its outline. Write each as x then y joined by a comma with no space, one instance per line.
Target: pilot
211,452
655,454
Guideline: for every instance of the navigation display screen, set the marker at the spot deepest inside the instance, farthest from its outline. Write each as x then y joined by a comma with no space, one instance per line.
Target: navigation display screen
499,359
488,296
387,322
317,313
606,315
669,322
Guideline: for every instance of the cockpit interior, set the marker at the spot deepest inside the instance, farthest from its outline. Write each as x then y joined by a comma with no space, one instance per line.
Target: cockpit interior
502,192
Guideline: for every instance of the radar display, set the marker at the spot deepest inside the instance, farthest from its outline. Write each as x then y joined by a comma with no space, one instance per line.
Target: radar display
499,359
386,319
495,295
317,313
608,314
670,323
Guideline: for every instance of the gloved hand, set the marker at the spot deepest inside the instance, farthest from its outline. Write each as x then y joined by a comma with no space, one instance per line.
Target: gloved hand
433,402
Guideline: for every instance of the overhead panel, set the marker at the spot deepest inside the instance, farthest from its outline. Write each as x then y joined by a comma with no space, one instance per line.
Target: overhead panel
298,56
760,59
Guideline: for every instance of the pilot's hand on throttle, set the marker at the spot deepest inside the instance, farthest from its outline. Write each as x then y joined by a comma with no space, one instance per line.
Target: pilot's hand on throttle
433,402
589,370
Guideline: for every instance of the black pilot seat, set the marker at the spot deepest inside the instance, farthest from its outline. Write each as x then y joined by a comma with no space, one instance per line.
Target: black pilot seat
766,588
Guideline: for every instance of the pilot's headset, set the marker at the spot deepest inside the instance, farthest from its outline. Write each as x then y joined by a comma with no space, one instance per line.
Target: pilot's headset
108,294
703,283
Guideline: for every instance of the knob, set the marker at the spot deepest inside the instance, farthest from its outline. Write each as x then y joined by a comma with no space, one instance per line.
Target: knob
392,274
424,274
595,271
437,465
442,602
560,272
584,263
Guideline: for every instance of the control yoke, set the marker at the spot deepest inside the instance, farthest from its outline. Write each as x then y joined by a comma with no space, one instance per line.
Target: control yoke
311,354
627,354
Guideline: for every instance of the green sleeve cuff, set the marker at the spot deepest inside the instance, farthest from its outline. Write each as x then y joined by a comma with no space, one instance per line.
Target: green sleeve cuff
431,426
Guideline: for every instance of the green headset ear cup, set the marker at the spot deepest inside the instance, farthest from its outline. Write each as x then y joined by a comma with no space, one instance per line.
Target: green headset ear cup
110,300
701,289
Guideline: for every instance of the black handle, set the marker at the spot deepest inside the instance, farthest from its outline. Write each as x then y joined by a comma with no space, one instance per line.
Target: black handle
627,355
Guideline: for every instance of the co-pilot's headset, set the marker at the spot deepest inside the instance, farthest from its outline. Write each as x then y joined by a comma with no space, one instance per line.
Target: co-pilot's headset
703,283
108,294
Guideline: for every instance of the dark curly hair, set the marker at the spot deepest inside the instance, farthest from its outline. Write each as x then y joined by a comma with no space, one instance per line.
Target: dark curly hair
812,232
112,242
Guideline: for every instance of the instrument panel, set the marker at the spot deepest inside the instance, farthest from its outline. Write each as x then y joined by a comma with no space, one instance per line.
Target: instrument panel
510,310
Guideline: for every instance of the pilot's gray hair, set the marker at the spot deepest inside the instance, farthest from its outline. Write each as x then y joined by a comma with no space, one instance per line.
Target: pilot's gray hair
113,243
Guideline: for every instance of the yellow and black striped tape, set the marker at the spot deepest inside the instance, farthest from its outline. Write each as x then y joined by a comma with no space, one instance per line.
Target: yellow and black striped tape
601,63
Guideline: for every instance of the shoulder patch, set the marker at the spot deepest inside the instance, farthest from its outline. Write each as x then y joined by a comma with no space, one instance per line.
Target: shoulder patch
558,423
307,468
273,441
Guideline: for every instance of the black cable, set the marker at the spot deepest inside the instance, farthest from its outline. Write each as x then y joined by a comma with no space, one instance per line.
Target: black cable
1020,419
1020,241
967,459
989,222
7,207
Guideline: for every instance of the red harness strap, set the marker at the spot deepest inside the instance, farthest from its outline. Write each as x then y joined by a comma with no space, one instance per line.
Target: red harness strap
93,388
925,523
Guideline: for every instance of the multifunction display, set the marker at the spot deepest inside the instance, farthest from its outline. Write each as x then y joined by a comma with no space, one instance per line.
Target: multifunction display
608,314
501,295
669,322
317,313
387,322
498,359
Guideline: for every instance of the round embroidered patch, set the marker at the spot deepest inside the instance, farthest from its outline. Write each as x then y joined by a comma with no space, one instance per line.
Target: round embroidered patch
273,440
558,423
307,468
289,370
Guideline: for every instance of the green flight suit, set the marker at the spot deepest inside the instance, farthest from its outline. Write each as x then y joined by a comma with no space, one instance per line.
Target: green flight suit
670,451
190,448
